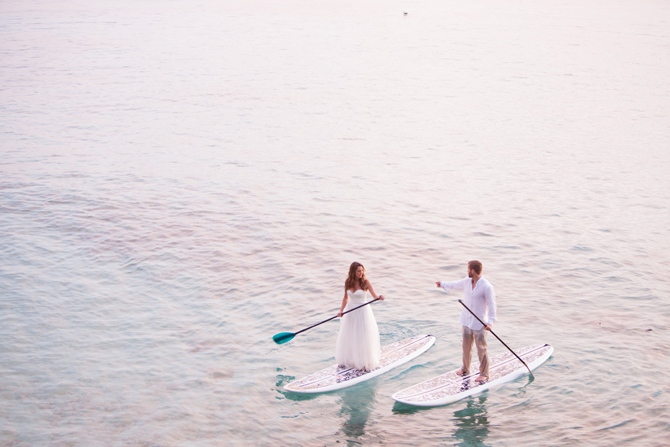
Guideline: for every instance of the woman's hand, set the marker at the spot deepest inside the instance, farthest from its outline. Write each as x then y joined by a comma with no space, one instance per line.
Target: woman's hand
339,314
381,297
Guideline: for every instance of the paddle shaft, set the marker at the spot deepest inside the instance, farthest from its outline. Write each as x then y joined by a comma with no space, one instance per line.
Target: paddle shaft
494,334
331,318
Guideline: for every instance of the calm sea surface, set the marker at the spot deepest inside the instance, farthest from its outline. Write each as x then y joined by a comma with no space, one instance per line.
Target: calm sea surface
180,181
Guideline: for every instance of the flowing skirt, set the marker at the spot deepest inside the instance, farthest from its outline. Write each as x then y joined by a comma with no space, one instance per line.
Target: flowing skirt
358,340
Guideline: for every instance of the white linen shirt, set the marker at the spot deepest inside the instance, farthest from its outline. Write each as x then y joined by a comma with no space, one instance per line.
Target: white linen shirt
482,301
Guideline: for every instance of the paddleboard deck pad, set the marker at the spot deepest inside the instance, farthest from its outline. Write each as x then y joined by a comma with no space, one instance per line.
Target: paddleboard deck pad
335,378
451,387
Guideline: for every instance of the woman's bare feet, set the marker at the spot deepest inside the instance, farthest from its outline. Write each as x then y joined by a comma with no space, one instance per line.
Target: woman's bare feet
481,378
460,372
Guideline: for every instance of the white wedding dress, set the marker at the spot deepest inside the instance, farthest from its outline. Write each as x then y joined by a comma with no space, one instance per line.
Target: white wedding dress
358,341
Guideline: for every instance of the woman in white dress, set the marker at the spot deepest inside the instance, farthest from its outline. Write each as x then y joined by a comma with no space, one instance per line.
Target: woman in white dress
358,340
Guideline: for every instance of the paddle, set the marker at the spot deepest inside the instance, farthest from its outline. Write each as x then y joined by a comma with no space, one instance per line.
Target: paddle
494,334
283,337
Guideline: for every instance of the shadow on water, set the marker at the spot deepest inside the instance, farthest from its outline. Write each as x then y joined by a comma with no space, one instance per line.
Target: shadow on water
357,403
400,408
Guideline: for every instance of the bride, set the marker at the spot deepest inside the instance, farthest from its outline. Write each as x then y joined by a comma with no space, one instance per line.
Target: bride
358,340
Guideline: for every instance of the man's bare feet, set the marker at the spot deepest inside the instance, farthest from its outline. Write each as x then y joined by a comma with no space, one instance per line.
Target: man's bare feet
481,378
460,372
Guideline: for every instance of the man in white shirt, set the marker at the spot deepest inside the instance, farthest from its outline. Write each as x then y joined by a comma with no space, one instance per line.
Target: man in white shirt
479,296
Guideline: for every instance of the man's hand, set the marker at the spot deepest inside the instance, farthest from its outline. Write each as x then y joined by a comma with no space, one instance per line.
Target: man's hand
439,284
488,327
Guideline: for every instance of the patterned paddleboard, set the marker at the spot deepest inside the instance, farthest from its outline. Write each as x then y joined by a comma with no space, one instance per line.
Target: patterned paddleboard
334,378
450,387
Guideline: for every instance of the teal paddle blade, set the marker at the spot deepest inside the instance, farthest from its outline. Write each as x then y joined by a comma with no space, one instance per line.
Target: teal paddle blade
283,337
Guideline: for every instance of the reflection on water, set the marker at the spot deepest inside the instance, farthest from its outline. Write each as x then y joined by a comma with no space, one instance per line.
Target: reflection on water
357,403
472,423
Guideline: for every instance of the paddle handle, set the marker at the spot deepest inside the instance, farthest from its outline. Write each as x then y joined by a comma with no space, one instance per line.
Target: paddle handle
332,318
494,334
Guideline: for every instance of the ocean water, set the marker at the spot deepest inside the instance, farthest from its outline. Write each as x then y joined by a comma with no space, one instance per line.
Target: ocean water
180,181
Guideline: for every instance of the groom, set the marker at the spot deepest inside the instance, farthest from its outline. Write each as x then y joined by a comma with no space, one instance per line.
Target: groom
479,296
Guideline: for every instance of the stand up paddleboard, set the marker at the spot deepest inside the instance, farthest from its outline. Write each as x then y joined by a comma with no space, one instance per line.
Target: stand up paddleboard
450,387
334,377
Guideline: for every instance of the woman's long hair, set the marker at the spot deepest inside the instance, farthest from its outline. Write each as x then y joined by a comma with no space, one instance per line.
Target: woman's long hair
351,279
